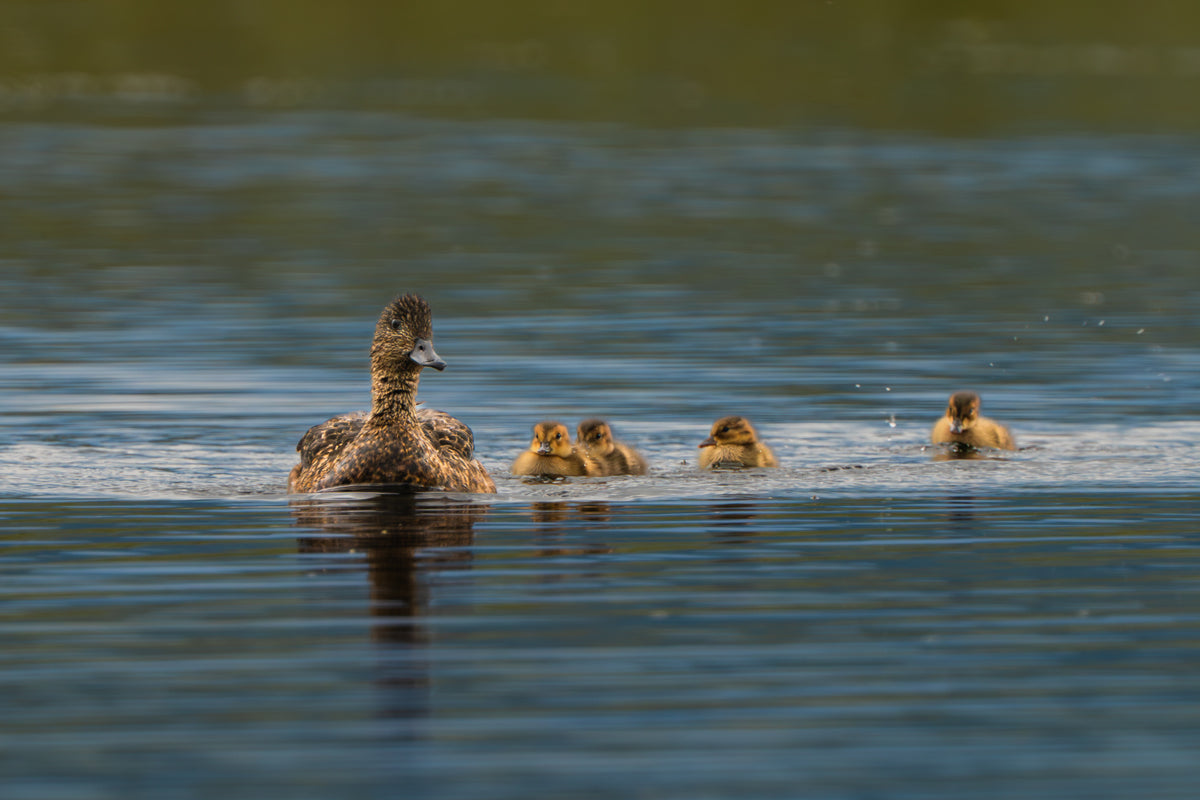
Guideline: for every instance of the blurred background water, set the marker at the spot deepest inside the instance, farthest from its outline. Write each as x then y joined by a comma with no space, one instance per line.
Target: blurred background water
825,217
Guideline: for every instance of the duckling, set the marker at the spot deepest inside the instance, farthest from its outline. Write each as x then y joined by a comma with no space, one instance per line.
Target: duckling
963,425
734,443
394,443
595,438
551,454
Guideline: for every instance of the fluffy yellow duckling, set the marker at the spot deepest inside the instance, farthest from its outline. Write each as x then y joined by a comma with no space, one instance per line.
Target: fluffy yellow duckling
963,425
551,454
595,438
734,443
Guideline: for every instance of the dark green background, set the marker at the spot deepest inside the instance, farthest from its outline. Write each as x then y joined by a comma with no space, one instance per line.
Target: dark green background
955,68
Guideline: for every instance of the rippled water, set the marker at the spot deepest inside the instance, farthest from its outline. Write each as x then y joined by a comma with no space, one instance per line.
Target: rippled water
180,300
918,646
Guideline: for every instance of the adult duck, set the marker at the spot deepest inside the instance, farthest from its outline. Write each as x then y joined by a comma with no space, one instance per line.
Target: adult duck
394,443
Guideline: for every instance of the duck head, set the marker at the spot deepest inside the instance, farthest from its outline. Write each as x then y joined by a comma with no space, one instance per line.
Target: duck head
730,431
404,336
596,436
551,439
962,411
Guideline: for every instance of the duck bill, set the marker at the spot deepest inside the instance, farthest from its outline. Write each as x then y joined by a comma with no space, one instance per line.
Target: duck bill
956,426
709,442
424,354
544,449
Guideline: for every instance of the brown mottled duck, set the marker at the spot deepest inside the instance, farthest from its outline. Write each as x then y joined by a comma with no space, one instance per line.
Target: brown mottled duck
395,443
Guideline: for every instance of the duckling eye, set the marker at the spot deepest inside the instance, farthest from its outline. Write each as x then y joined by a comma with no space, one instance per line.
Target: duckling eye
396,324
558,436
724,429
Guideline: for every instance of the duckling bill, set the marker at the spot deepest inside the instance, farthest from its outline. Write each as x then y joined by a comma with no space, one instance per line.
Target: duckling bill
963,425
733,442
595,437
394,443
551,454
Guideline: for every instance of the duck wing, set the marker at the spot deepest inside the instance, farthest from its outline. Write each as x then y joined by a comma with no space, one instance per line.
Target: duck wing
447,433
322,443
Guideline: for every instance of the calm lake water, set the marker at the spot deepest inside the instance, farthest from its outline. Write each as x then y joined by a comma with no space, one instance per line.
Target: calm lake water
184,290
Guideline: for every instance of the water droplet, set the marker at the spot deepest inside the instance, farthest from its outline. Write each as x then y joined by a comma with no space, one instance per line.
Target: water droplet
1141,331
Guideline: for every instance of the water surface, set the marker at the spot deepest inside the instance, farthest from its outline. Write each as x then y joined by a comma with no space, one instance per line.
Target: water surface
184,292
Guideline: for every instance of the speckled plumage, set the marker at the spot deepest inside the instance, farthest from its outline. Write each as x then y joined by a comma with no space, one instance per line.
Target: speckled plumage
394,443
962,424
594,436
733,442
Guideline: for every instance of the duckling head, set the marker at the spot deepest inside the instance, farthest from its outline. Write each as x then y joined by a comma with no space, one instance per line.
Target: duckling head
962,411
551,439
596,436
731,431
404,336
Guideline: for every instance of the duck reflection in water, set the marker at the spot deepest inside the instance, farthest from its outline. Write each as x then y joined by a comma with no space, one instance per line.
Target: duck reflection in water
557,523
954,451
391,530
960,512
404,537
734,521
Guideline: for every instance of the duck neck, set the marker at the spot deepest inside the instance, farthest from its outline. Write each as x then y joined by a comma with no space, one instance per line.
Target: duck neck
394,392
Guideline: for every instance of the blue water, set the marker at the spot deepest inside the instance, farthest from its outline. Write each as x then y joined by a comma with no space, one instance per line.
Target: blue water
738,646
180,300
